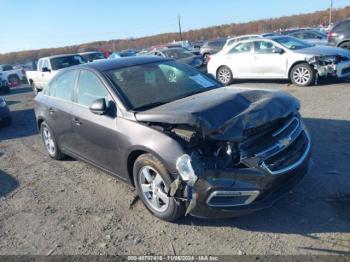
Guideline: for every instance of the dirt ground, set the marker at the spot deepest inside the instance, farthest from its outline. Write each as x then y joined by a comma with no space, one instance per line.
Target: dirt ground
69,207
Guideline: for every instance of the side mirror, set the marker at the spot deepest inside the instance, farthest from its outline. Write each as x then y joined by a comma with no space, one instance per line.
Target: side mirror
278,51
99,107
45,69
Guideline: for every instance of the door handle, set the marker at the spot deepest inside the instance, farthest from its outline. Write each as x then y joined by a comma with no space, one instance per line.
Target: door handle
76,121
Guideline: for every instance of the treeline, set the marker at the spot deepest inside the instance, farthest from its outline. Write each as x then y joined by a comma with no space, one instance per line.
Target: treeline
259,26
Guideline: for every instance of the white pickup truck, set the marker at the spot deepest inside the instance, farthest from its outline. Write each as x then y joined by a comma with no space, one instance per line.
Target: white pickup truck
48,67
12,76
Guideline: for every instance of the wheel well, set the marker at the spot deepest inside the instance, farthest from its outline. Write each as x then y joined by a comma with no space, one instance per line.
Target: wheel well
40,121
217,70
130,163
342,42
13,75
296,63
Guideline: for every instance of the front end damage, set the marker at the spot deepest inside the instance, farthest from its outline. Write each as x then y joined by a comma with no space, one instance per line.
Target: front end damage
240,154
232,178
333,65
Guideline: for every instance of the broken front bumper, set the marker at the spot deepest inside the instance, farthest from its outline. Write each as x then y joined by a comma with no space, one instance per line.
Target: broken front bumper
343,69
238,191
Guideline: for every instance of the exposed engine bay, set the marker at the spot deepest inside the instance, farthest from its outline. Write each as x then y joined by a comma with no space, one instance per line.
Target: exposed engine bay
326,65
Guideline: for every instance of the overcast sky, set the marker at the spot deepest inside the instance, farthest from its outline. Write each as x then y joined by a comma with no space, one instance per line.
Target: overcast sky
33,24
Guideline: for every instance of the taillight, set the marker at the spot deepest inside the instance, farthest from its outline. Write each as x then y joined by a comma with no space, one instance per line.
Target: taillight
330,36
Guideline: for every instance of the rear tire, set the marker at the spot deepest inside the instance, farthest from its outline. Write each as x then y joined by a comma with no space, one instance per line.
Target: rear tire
14,80
50,142
224,75
345,45
152,182
302,75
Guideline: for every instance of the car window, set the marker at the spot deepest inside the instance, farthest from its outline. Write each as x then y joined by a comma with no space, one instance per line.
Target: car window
66,61
162,82
292,43
90,88
242,48
62,86
343,26
264,47
219,43
297,35
45,64
309,35
40,63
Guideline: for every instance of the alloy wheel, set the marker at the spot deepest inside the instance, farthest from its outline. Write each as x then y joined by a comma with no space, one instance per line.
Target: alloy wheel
224,76
154,189
49,143
301,75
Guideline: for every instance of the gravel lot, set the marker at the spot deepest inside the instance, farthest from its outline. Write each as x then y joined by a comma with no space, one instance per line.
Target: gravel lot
69,207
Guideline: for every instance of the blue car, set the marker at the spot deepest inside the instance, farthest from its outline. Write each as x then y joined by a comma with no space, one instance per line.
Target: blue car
5,115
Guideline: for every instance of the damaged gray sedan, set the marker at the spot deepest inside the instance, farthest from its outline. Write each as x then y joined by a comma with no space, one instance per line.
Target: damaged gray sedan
188,145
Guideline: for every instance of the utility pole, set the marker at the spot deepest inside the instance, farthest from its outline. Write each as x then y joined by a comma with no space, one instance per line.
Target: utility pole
330,13
179,18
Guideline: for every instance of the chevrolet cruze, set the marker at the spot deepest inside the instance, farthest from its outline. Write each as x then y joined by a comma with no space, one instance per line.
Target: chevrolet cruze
188,144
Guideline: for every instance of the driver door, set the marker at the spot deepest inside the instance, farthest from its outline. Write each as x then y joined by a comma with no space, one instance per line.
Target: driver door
240,59
95,136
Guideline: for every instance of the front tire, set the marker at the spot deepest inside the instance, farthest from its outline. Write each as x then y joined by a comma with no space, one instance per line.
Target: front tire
302,75
152,182
224,75
50,142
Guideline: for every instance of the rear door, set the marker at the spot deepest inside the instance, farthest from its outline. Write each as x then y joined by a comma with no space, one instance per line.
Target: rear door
95,136
59,108
267,63
240,59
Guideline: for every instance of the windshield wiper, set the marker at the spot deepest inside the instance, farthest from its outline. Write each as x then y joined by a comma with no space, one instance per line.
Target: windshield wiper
148,106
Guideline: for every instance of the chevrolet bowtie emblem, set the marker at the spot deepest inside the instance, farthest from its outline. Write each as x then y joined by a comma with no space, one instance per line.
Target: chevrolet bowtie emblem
284,142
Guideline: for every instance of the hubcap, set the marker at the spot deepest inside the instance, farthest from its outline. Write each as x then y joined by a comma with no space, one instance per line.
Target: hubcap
301,75
49,143
224,76
154,188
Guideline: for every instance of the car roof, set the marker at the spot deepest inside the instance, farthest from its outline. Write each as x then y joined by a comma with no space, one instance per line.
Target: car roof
58,56
105,65
91,52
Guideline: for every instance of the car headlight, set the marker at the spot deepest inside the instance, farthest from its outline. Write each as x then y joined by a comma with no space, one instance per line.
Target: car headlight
185,169
2,102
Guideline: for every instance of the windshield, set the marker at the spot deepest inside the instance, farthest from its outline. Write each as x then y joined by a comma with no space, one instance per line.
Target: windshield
176,53
66,61
149,85
94,56
292,43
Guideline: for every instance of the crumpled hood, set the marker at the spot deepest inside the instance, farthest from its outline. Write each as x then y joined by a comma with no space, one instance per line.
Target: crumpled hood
224,113
324,51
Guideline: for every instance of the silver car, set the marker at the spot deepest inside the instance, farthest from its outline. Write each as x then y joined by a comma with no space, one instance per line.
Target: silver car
279,57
